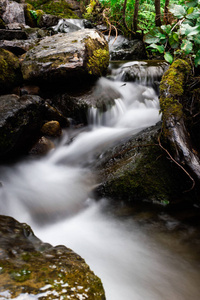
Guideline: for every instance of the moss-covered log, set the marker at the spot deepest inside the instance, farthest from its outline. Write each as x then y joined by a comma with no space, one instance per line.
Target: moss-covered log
172,102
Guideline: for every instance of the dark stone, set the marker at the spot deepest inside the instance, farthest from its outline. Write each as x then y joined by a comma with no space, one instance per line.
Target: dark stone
12,34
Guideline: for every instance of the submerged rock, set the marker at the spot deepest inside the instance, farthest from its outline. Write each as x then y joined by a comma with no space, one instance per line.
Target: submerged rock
67,58
31,268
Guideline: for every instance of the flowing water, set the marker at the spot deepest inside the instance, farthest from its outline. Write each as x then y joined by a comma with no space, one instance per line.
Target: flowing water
136,256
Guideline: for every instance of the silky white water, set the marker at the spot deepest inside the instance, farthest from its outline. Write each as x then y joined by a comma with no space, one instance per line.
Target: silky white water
53,194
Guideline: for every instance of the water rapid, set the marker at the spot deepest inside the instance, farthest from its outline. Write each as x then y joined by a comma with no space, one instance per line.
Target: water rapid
53,194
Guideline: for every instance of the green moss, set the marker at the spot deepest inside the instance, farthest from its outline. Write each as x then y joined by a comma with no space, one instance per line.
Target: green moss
98,62
59,8
10,74
172,89
20,275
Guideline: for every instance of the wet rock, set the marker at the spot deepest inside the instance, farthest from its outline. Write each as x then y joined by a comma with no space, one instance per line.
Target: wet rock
10,75
51,128
42,147
31,268
48,20
123,49
137,169
68,59
21,119
17,47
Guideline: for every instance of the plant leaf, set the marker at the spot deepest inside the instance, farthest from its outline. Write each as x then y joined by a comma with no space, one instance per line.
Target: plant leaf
168,57
186,29
160,48
166,28
186,46
178,11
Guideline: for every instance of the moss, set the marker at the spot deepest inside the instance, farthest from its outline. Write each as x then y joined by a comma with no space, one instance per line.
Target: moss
172,90
59,8
98,62
10,74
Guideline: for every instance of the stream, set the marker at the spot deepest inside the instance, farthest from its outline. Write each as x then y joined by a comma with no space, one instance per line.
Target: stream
139,254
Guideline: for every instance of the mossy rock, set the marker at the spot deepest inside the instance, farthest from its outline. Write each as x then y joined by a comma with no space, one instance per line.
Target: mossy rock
137,169
59,8
36,269
10,75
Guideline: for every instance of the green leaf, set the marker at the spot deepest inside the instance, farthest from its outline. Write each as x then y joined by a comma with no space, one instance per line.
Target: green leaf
192,3
178,11
196,39
149,38
193,16
168,57
190,10
197,59
186,29
174,43
186,46
161,48
166,28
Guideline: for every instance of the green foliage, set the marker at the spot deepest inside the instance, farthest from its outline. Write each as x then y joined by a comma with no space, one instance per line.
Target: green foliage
89,9
181,39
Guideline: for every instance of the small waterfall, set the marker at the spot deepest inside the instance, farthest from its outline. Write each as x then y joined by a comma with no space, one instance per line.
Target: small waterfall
56,192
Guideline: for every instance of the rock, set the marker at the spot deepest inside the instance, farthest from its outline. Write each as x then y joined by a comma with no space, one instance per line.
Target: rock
31,268
68,59
123,49
42,147
48,20
21,119
17,47
137,169
51,128
10,75
6,34
12,12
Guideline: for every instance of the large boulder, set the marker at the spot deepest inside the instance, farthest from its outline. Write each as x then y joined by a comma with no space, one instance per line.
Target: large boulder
30,268
137,169
21,119
67,59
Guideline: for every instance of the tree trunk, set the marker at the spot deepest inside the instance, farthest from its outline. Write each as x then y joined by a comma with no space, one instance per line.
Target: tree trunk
135,16
158,14
124,14
166,12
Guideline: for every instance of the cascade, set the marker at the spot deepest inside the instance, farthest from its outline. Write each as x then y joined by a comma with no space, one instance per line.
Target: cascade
53,194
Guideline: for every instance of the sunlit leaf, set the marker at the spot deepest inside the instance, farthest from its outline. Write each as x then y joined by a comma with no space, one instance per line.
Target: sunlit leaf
193,16
186,29
161,48
168,57
174,41
150,38
178,11
186,46
190,10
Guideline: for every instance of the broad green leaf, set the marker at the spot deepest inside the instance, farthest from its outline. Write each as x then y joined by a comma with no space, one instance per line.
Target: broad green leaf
192,3
193,16
186,29
161,36
197,59
168,57
178,11
166,28
151,37
186,46
161,48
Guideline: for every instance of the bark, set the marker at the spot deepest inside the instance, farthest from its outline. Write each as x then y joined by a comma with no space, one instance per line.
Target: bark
158,14
166,13
124,15
135,16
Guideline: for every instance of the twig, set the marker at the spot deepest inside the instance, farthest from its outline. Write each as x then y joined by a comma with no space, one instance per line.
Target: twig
110,25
